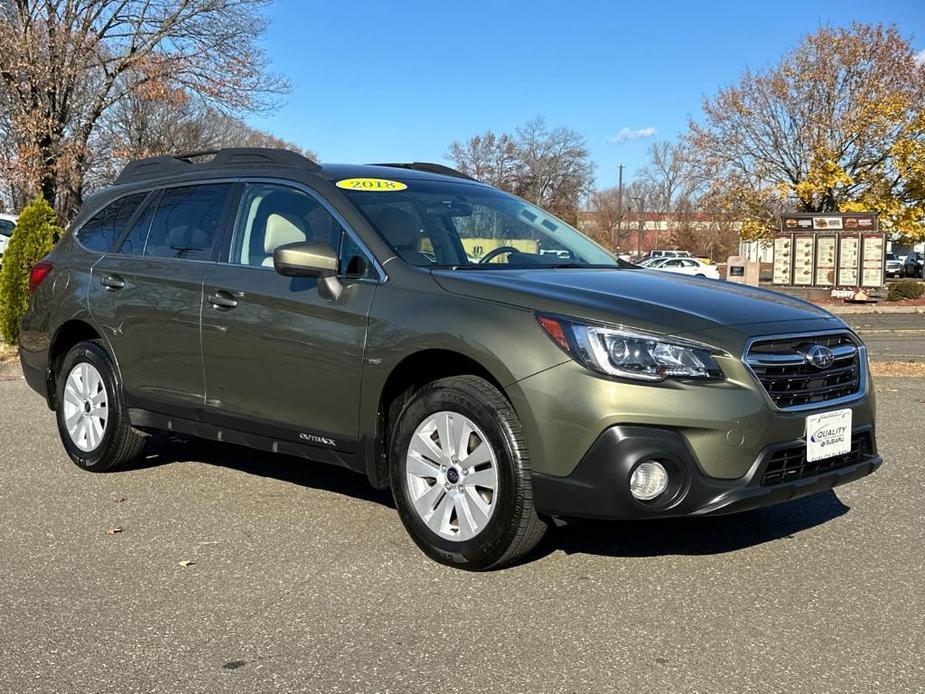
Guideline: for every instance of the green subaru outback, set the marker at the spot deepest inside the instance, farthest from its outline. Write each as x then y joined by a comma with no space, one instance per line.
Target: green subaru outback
485,360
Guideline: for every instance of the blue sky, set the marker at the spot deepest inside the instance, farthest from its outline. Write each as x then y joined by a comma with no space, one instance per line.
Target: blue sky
398,81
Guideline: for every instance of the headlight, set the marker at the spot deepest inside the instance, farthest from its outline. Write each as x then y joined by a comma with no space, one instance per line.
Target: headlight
631,353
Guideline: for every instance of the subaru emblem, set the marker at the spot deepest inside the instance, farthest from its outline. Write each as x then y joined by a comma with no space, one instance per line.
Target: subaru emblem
819,356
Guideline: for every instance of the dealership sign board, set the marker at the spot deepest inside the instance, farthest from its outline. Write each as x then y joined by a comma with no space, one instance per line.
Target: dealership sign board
829,250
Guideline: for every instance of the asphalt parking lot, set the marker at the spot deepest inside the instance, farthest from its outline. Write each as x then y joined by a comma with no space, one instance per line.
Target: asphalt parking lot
899,336
302,579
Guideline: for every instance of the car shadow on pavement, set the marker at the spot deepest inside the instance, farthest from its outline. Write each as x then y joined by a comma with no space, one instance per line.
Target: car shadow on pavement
694,536
166,449
648,538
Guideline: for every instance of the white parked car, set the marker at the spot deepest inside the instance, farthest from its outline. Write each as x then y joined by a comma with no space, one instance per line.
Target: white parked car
687,266
670,254
7,224
894,266
653,262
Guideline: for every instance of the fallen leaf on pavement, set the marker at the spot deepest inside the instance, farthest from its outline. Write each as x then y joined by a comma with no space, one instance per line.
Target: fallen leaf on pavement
897,368
185,563
113,531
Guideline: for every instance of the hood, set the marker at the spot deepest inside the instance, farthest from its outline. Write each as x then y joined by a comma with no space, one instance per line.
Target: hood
646,299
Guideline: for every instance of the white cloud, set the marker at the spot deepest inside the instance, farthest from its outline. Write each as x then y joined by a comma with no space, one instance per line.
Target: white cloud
629,134
920,57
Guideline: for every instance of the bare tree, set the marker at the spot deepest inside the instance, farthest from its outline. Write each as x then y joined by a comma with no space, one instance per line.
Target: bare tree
139,127
606,216
670,174
709,235
548,167
555,167
488,157
65,64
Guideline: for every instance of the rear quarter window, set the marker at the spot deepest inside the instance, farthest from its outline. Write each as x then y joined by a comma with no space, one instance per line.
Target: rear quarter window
100,231
6,227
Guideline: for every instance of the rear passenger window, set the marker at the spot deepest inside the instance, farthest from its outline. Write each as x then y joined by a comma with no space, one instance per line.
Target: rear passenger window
100,231
186,224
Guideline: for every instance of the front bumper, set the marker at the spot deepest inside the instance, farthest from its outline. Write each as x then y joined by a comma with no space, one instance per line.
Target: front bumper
599,485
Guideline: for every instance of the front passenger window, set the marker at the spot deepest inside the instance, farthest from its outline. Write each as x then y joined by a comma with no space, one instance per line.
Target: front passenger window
271,216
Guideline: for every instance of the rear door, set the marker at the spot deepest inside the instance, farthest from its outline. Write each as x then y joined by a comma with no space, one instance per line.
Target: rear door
673,265
147,295
281,359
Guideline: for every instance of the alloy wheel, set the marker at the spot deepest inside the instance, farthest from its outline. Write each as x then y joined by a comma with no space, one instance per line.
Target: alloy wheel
452,475
86,406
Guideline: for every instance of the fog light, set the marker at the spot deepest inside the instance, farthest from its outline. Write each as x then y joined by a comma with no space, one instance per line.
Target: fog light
648,481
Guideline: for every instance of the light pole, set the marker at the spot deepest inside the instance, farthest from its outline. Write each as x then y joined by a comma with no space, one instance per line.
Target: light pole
619,209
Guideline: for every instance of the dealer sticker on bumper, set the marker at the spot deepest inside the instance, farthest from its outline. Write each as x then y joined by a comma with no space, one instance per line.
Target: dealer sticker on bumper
828,434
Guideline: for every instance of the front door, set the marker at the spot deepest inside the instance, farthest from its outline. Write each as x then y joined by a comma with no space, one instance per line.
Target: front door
147,296
281,359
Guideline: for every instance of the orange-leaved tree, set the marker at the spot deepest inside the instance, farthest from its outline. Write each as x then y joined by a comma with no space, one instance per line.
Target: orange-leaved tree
837,125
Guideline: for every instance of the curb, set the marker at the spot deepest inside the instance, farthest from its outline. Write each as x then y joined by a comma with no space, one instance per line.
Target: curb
874,308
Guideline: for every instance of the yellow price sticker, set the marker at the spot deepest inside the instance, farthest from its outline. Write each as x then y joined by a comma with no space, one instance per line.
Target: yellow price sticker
380,185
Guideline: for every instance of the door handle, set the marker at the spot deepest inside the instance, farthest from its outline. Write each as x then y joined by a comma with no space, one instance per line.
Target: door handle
221,300
113,282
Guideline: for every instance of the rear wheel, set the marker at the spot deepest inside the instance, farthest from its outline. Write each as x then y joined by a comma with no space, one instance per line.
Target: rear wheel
92,418
461,475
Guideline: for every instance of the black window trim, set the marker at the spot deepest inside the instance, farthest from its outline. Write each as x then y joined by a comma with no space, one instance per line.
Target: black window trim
225,258
155,193
152,198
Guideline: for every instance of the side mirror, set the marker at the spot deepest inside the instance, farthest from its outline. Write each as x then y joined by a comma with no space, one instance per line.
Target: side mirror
308,259
305,259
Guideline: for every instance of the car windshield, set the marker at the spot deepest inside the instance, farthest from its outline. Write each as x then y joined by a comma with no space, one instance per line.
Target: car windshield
467,225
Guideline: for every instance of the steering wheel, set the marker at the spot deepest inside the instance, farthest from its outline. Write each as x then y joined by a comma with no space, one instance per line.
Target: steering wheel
494,253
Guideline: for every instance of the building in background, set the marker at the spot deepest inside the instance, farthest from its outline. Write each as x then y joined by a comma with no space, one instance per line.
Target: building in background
714,236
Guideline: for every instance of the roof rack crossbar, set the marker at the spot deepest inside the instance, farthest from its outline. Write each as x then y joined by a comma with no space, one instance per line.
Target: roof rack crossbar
430,168
186,156
164,165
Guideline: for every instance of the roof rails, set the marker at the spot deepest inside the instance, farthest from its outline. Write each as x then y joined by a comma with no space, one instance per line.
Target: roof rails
165,165
431,168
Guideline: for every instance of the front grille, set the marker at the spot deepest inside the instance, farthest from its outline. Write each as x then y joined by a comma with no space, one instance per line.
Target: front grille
789,464
793,381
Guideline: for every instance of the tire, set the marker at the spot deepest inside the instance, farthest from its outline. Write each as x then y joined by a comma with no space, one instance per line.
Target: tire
92,418
482,539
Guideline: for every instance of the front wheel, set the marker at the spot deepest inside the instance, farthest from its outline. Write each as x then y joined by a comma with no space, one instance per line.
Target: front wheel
461,476
92,418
